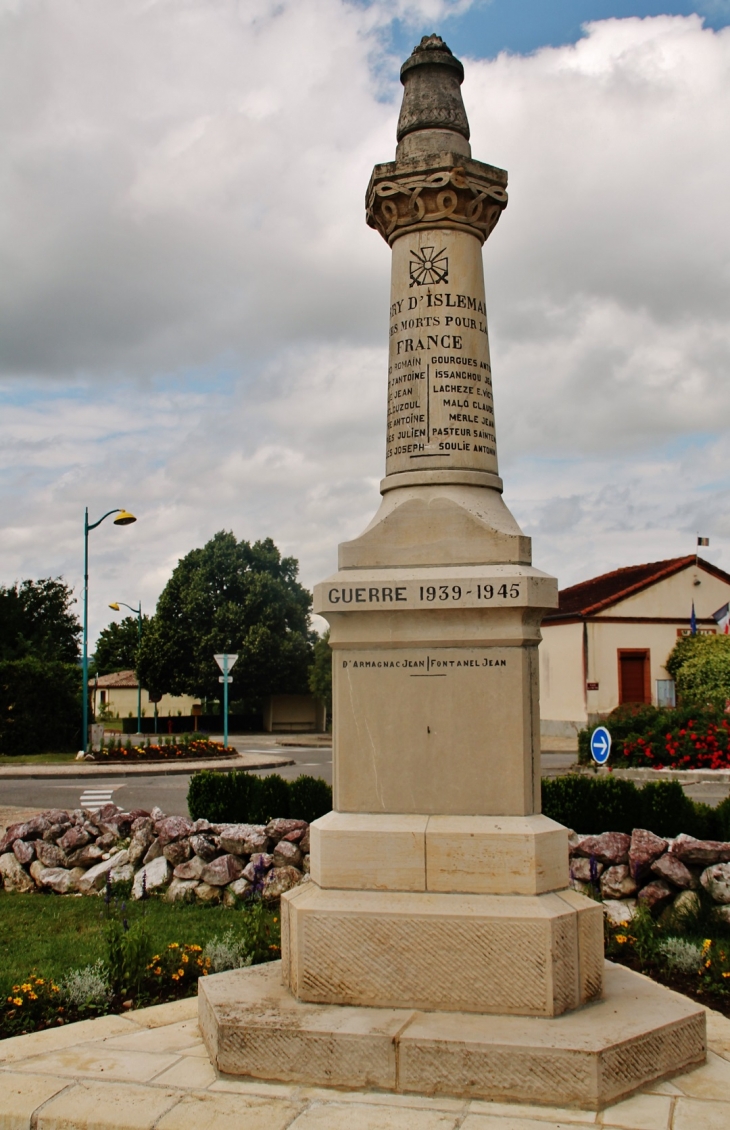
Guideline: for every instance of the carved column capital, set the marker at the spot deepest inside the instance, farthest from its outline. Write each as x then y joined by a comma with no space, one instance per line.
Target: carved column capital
456,193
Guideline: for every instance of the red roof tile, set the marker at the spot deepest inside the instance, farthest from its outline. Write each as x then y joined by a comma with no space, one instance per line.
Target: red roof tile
593,596
116,679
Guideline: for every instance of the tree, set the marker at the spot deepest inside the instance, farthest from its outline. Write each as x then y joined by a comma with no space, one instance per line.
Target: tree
236,597
40,681
36,620
703,678
116,648
320,673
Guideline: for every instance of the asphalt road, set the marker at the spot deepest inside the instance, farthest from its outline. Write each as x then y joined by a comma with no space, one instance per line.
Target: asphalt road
168,792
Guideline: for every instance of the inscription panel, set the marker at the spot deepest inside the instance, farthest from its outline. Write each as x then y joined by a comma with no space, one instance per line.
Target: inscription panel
452,732
440,404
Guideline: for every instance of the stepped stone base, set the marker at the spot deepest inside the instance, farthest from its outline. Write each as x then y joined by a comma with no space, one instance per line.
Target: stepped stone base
638,1033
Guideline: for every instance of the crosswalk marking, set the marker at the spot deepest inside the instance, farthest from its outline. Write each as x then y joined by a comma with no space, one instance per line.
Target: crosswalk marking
94,799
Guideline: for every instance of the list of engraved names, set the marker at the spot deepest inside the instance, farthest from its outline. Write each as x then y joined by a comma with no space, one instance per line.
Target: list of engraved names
440,404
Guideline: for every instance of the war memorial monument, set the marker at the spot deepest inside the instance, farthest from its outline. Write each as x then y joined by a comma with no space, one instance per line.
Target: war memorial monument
438,947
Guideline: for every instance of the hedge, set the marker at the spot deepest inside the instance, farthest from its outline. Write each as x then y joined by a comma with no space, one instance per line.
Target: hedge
609,804
40,706
240,798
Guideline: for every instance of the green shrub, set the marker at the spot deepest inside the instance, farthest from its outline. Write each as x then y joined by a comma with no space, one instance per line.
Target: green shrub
309,798
40,706
270,799
610,804
240,798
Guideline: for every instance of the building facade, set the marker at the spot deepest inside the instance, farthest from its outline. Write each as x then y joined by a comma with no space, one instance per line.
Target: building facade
610,637
116,695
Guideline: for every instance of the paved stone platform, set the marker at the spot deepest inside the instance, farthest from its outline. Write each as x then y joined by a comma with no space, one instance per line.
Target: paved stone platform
149,1070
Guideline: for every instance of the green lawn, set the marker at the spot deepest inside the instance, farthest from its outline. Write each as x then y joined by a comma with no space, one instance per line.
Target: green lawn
50,935
38,759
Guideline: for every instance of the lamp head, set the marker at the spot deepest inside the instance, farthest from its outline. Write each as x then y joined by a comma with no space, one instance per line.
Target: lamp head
124,518
115,606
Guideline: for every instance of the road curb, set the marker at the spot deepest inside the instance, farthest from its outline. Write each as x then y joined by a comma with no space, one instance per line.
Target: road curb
117,769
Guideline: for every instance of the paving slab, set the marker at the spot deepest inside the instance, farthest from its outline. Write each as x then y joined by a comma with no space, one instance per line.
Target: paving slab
61,1080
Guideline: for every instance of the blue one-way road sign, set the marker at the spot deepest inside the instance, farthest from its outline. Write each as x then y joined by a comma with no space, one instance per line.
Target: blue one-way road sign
600,745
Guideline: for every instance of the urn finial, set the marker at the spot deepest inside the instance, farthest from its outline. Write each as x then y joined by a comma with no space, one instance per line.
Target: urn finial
432,77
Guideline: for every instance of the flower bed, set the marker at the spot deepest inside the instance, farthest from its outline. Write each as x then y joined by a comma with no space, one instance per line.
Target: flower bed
645,737
702,743
199,749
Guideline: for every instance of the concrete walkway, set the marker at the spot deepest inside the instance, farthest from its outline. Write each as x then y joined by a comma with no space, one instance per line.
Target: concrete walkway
149,1069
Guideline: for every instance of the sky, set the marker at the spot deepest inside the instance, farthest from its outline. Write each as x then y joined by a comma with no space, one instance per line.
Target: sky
193,313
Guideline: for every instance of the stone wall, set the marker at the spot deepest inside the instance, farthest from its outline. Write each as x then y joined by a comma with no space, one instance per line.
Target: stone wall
662,874
75,852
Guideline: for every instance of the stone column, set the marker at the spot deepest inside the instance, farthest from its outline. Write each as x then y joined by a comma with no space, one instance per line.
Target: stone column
438,946
436,856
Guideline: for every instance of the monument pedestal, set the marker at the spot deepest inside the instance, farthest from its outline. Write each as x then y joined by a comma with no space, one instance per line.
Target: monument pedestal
437,947
636,1034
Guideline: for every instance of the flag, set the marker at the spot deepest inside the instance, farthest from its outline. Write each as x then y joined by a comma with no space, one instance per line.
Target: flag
693,622
722,618
703,541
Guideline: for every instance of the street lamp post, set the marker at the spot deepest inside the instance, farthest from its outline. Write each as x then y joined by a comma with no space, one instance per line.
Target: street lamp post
138,613
124,519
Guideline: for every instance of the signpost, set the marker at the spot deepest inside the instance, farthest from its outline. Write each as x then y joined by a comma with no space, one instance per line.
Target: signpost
226,663
600,745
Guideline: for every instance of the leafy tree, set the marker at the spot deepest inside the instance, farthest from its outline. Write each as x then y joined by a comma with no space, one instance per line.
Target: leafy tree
237,597
116,648
40,705
704,677
686,647
320,673
36,620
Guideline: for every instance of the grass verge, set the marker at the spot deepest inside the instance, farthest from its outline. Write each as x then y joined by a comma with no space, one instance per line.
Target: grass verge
48,937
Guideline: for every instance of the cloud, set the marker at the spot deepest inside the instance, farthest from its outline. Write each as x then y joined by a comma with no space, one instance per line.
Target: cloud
194,312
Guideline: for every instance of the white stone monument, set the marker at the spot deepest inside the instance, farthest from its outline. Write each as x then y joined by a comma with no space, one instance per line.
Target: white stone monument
438,947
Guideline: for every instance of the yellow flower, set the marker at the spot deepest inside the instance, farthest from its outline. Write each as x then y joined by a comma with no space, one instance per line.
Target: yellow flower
708,964
726,974
32,996
185,958
17,1001
181,972
175,977
174,946
158,970
706,945
39,981
621,938
26,988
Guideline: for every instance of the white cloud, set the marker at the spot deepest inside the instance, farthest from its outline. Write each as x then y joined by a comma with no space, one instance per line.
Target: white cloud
194,311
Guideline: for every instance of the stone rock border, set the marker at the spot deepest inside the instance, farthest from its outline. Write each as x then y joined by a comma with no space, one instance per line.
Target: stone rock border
183,860
644,869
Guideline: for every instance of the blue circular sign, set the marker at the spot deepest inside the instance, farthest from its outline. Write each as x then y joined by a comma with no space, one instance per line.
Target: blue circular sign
600,745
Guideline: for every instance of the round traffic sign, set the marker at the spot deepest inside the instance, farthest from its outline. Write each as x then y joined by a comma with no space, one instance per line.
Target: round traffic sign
600,745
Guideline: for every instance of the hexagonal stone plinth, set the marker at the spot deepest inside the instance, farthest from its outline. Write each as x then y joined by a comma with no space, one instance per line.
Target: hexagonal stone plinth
639,1032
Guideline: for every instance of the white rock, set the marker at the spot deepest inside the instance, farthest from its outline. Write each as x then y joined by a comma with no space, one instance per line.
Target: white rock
13,876
121,873
57,879
181,890
619,911
95,877
716,881
152,877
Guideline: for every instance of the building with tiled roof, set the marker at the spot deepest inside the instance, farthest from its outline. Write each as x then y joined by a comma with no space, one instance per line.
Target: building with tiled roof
609,638
115,696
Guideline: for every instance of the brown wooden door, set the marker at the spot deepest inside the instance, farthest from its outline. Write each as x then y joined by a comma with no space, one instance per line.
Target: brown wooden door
633,676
